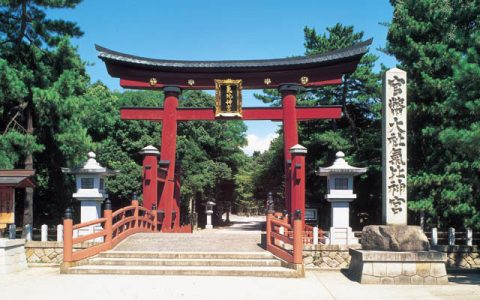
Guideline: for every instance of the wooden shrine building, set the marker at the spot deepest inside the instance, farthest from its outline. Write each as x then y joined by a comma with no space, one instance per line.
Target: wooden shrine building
9,181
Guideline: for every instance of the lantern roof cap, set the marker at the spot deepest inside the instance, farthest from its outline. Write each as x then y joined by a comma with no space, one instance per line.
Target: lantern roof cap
340,166
298,149
91,166
149,150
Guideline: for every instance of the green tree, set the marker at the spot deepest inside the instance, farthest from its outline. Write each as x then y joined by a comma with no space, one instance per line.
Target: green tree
117,141
356,133
42,80
437,43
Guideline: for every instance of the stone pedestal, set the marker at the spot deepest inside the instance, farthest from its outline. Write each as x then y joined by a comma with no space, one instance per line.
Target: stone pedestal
389,267
12,256
90,209
342,236
341,233
209,220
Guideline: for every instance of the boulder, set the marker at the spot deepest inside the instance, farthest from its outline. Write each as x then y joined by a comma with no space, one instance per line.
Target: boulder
394,238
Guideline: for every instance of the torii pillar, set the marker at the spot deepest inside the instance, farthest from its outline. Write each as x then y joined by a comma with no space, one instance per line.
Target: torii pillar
289,93
167,153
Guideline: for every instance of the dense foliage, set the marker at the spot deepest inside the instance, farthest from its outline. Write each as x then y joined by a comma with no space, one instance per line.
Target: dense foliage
43,79
357,133
437,42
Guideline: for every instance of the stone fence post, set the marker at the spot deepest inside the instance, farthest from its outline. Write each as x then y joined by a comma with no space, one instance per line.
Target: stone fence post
44,233
451,236
434,236
12,231
59,233
28,230
469,237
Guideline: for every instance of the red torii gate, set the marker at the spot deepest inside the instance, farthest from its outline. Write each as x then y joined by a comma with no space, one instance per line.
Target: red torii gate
289,75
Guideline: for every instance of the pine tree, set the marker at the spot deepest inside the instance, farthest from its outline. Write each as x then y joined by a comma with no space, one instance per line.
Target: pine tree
437,43
43,77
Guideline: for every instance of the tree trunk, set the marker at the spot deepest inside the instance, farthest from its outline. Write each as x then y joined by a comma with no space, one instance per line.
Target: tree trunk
28,200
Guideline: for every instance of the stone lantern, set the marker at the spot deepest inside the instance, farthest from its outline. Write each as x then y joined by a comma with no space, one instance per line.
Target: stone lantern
90,183
209,211
340,194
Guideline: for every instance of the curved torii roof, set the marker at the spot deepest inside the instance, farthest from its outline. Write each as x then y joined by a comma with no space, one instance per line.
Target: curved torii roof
316,70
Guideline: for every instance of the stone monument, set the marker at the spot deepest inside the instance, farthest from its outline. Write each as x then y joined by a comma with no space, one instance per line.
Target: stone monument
90,183
340,194
396,253
394,147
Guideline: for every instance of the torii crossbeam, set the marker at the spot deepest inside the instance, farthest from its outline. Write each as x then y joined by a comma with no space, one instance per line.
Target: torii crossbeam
288,75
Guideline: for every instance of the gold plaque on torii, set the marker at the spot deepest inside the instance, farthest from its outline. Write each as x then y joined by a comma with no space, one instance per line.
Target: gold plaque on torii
228,94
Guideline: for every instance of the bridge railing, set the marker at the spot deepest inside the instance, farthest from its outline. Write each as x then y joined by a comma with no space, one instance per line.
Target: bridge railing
278,241
105,233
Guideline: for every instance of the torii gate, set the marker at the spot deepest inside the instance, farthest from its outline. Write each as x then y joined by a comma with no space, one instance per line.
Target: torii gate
289,75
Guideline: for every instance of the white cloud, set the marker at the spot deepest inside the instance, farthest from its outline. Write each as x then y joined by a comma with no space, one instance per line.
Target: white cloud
258,143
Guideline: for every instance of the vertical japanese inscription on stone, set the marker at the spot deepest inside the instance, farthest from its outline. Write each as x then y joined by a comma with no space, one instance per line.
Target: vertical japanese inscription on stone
394,154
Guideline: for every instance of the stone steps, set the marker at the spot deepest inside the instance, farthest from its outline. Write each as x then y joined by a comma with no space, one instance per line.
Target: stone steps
186,255
259,264
185,270
184,262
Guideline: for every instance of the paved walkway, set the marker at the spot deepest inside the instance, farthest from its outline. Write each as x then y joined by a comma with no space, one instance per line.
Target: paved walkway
48,284
243,236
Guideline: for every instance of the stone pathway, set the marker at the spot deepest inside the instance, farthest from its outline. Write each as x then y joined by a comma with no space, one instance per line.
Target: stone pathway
48,284
244,235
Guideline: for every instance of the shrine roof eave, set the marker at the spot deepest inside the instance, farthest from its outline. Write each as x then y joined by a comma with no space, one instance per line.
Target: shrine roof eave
341,171
321,69
17,182
17,178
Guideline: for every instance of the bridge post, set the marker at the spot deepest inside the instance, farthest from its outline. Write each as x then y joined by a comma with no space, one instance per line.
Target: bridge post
150,174
298,153
107,214
297,238
135,213
67,236
268,226
155,218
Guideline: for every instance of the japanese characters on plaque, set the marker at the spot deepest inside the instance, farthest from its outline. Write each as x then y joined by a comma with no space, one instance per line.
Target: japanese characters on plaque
228,94
394,155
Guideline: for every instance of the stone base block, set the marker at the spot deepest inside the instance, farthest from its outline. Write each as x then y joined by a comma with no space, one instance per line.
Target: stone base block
12,256
388,267
342,236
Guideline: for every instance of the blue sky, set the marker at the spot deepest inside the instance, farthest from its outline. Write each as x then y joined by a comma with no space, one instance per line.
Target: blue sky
218,30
